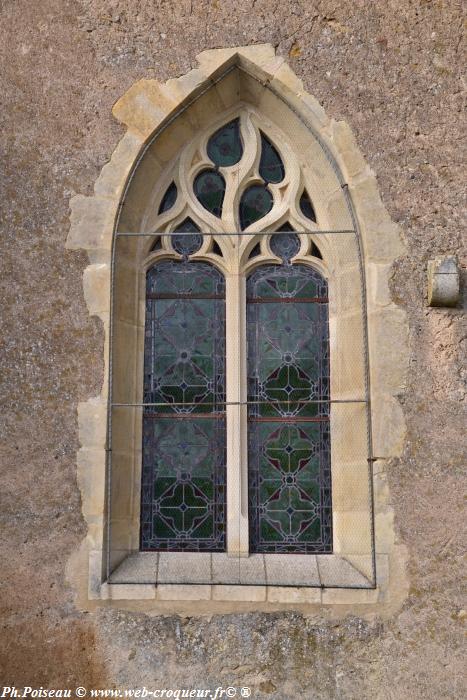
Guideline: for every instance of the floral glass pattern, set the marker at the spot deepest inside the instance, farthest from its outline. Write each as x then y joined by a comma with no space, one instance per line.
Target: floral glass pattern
225,145
184,244
183,489
209,188
255,203
288,413
271,167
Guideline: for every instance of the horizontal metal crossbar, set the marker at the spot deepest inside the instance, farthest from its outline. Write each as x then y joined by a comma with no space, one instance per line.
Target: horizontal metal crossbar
287,300
288,419
224,233
151,295
237,403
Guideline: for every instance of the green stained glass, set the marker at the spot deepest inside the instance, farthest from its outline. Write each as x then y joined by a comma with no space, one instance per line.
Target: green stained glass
288,391
169,198
225,145
209,188
255,203
183,488
307,207
185,244
285,245
271,167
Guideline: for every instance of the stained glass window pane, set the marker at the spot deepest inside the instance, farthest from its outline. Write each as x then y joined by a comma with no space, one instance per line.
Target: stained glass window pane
288,387
169,198
307,207
225,145
271,167
209,188
184,244
255,203
183,493
285,245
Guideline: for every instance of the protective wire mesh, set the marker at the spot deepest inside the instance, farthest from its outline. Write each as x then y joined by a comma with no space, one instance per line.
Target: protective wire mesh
201,445
139,454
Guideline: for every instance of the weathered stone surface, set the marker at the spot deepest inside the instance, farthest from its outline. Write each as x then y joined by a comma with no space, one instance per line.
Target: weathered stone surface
393,72
443,281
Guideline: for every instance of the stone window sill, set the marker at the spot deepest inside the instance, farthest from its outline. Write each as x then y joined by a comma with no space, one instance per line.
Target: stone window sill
188,568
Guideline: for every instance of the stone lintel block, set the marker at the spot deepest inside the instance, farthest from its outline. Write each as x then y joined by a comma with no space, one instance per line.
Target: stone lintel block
91,222
128,591
350,487
389,339
378,276
339,571
350,157
186,85
92,423
240,594
349,596
96,574
381,236
183,592
114,174
384,532
382,575
211,59
96,285
352,532
388,426
281,594
184,567
144,106
95,533
91,480
362,563
443,281
381,491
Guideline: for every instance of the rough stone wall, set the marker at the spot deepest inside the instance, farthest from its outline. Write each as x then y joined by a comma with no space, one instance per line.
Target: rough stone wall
392,70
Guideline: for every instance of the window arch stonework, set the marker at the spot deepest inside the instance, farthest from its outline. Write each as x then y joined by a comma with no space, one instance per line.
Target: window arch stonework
167,142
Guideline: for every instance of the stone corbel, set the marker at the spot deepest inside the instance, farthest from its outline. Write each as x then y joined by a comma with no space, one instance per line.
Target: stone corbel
443,281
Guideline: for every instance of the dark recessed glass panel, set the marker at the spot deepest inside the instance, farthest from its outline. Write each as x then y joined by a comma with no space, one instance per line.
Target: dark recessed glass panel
225,145
255,203
288,413
216,249
185,244
307,207
315,251
183,484
271,167
157,245
255,251
209,188
169,199
286,227
285,246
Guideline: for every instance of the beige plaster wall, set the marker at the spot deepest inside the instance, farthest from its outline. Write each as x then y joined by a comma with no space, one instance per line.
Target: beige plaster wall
392,72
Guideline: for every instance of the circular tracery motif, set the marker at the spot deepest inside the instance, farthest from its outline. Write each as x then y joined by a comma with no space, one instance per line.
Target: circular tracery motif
184,243
285,246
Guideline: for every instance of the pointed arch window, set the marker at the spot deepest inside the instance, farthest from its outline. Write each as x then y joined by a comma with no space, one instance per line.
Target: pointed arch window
279,410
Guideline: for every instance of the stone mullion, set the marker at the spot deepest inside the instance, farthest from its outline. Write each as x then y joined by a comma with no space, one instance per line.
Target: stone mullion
237,454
